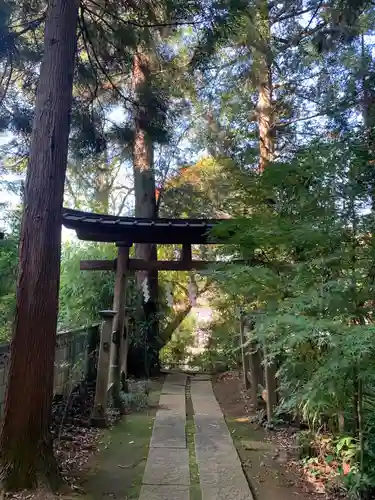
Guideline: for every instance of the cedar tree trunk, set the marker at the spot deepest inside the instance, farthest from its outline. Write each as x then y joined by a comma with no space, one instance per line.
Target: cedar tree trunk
26,446
145,205
265,118
266,131
265,114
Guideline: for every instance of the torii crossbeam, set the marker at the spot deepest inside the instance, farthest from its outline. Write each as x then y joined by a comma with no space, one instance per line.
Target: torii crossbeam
124,231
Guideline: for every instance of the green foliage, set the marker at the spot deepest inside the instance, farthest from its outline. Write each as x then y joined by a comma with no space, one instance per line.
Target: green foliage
8,272
310,288
222,350
137,398
210,361
83,294
176,351
347,448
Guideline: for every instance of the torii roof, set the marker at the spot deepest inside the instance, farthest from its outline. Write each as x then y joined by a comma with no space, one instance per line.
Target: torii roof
110,228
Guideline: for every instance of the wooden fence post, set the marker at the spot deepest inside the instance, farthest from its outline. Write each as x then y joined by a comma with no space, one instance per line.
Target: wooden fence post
99,414
271,388
245,366
92,353
124,366
255,367
118,343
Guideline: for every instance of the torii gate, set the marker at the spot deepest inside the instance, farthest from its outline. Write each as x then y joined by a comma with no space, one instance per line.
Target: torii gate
124,232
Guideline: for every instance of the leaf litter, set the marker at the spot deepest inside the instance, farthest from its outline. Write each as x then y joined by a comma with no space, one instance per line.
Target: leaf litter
74,442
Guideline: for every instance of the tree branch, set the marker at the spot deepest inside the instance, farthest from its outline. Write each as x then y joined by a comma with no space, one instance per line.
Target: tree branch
71,192
181,315
164,177
290,15
305,118
320,4
166,334
30,25
94,93
124,201
140,25
7,83
99,64
295,41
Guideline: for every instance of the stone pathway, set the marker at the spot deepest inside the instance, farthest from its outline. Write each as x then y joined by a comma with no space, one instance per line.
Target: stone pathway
220,469
167,475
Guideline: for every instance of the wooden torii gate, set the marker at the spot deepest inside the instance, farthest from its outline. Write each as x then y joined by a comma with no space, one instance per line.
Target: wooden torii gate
124,232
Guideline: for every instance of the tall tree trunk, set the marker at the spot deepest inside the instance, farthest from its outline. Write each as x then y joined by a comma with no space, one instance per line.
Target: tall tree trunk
145,203
143,150
102,190
103,179
263,68
266,134
265,118
26,445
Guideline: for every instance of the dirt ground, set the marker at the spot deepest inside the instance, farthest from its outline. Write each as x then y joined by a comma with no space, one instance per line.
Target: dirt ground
271,472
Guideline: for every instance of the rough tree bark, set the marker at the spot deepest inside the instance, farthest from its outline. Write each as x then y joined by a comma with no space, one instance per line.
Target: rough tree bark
118,347
263,63
103,181
102,190
166,334
256,372
145,202
265,117
266,134
26,446
245,360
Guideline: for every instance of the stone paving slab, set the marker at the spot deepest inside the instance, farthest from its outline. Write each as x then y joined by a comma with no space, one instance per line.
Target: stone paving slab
176,379
173,389
230,489
201,377
220,470
174,492
212,430
168,432
174,385
166,466
174,403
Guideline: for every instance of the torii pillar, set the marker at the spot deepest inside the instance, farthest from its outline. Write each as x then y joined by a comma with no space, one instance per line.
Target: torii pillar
117,360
